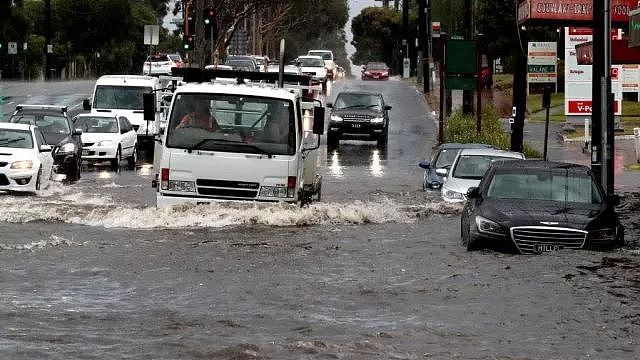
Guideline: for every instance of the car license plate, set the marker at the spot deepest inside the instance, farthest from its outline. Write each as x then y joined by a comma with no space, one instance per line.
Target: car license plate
376,76
546,248
85,152
355,126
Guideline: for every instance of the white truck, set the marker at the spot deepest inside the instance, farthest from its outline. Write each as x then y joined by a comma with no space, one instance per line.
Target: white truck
252,141
123,95
329,61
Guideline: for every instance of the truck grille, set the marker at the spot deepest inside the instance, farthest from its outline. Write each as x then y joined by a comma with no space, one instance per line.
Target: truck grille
528,238
228,188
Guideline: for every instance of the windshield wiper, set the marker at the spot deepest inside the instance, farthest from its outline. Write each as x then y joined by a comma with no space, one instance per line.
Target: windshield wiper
350,107
9,141
225,141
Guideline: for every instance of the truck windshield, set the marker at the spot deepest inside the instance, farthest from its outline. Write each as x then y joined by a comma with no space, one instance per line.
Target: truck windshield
232,123
119,97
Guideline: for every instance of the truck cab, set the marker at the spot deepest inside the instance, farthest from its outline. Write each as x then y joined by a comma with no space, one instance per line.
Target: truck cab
239,142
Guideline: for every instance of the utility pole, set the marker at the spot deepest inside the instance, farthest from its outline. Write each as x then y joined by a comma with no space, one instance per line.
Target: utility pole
519,93
396,4
405,34
467,95
426,46
47,36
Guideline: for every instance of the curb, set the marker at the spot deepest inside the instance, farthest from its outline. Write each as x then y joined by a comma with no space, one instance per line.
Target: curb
581,139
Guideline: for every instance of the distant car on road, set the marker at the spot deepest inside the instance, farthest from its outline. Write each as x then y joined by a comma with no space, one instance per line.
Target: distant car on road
107,137
375,71
442,157
467,170
161,64
356,114
314,67
538,206
25,159
242,62
328,59
57,128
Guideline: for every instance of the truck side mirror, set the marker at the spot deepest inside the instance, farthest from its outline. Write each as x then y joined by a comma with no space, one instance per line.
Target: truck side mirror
149,106
318,120
86,104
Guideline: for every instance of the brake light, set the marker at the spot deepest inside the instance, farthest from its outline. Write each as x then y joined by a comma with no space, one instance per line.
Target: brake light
164,178
291,186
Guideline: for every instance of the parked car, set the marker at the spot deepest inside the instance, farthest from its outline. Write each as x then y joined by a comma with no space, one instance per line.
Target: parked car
442,157
57,128
25,159
107,137
161,64
467,170
375,71
314,67
538,206
263,62
242,62
357,114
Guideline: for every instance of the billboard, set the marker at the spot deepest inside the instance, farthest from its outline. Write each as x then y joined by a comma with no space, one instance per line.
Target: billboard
570,10
630,78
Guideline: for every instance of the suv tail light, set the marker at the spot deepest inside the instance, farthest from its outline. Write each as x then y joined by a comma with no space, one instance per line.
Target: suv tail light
164,178
291,186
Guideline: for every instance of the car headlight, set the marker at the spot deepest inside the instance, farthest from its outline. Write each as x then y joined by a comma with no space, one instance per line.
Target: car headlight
603,235
104,143
67,148
487,226
184,186
377,120
336,118
22,165
452,195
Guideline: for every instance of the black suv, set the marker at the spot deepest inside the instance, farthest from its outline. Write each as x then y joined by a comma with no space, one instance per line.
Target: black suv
358,114
58,131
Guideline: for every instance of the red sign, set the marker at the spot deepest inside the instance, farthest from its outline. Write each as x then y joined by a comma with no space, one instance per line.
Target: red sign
570,10
585,107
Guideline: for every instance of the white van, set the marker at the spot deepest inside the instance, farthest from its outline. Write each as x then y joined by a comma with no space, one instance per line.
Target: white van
329,61
122,95
253,142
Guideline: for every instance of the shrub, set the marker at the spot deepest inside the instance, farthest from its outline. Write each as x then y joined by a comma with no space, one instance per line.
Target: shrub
461,128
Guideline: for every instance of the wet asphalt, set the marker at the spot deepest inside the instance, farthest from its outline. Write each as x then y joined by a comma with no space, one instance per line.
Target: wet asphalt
92,270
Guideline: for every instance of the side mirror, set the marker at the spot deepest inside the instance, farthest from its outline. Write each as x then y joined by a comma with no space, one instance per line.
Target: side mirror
329,105
77,132
614,200
442,172
473,193
86,104
387,107
425,165
45,148
167,98
149,106
318,120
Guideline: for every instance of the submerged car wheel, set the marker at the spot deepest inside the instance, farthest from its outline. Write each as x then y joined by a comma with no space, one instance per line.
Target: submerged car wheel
133,159
115,163
332,139
73,172
383,139
38,181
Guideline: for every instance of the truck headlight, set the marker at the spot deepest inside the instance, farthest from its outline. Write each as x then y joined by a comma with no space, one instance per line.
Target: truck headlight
377,120
67,148
22,165
183,186
336,118
489,227
274,191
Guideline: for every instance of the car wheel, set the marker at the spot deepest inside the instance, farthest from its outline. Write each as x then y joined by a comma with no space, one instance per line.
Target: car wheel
383,138
332,139
115,163
38,179
319,193
133,159
73,172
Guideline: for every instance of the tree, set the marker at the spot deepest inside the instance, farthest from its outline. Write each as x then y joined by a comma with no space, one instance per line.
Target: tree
376,30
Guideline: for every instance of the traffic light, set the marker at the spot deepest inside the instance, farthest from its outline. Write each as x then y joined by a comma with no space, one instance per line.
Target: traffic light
188,42
209,19
189,22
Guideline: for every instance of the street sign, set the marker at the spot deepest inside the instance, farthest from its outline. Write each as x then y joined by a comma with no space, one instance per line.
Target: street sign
50,48
151,34
542,58
12,48
406,68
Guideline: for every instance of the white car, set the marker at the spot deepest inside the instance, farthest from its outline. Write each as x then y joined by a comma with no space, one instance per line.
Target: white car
26,162
107,137
329,61
313,66
467,170
288,69
161,64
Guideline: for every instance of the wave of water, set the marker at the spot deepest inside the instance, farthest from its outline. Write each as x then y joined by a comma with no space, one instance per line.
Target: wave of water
103,211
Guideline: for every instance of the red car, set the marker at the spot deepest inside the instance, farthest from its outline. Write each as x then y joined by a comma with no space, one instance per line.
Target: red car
375,71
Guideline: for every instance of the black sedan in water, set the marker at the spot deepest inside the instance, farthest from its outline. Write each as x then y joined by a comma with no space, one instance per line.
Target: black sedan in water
539,206
358,115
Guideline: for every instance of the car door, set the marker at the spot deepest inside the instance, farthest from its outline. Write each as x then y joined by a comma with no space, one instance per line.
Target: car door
127,136
46,158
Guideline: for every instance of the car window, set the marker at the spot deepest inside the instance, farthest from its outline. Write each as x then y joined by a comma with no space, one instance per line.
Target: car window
48,124
445,158
324,54
549,185
311,62
158,58
124,124
39,138
119,97
175,58
19,139
473,167
362,101
96,124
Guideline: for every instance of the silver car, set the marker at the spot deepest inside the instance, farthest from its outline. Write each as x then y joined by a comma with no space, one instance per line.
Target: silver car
467,170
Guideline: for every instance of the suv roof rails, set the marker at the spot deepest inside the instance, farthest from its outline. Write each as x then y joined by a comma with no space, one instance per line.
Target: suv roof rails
206,75
42,107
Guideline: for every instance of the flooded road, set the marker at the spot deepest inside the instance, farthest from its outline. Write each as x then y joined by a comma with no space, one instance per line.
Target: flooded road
93,270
